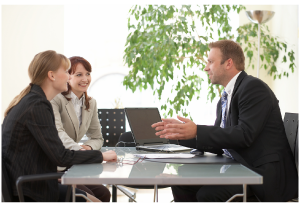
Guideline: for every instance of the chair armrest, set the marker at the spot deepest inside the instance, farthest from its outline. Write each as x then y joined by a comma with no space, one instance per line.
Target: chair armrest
36,177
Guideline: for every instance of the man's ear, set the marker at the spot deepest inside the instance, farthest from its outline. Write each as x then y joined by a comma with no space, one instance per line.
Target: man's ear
51,76
229,63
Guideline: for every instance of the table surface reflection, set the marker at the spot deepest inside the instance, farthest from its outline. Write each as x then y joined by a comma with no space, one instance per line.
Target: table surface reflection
150,173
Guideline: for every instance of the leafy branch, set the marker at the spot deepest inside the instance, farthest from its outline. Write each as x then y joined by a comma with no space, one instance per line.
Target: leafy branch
169,45
271,48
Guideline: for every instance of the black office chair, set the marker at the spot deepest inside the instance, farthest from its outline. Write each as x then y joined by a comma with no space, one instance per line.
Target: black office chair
112,123
291,130
126,140
7,192
291,123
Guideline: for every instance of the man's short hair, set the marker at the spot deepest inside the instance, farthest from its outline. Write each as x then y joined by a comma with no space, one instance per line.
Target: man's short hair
230,49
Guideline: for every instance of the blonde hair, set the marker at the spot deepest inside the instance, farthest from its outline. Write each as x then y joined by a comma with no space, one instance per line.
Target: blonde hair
230,49
38,70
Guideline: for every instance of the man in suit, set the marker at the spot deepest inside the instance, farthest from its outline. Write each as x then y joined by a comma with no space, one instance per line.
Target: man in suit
248,128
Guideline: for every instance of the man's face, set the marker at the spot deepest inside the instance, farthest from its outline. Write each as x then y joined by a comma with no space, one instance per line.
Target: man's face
214,68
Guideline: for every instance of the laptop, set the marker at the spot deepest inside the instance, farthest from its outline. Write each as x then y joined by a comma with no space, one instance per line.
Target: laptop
140,121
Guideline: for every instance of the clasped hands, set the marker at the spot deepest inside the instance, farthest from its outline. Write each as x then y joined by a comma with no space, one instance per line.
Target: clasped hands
86,147
181,129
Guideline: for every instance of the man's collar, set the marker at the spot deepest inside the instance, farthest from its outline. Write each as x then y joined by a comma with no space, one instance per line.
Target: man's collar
230,85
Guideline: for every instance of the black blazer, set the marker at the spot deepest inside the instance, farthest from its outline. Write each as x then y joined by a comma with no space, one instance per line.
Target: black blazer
30,145
254,135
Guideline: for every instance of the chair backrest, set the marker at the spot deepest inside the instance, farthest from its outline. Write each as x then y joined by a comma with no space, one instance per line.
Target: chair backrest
112,125
291,122
297,151
7,195
126,137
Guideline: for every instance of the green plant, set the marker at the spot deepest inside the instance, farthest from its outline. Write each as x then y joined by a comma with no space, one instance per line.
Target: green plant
165,46
271,47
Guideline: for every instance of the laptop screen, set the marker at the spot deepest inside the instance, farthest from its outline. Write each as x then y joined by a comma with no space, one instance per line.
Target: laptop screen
140,121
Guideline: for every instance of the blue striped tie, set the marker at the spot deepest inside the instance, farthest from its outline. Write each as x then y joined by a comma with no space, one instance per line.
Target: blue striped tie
223,122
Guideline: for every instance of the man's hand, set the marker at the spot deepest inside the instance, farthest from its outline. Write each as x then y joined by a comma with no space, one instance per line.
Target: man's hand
109,156
181,129
85,147
162,125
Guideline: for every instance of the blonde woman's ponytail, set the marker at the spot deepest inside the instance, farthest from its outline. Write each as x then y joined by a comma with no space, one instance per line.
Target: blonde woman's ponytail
38,70
17,99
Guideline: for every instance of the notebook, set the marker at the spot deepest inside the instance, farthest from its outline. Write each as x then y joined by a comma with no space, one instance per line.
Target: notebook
140,121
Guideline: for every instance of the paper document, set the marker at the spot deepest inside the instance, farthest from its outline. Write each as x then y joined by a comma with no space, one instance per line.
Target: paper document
163,156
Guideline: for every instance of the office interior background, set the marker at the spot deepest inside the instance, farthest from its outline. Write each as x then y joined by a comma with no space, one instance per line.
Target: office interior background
98,33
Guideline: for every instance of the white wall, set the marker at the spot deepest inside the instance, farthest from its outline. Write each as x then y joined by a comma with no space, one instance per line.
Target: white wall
26,31
284,25
97,33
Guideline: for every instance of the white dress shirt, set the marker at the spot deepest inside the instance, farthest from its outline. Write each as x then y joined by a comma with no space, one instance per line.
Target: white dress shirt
78,103
229,90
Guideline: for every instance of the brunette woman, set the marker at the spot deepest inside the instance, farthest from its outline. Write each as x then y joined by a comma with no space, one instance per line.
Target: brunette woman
76,115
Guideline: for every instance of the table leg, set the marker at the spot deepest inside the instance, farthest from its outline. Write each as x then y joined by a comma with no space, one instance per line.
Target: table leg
73,194
114,194
155,193
244,195
245,192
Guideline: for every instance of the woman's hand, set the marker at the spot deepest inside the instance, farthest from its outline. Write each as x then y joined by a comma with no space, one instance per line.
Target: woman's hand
85,147
109,156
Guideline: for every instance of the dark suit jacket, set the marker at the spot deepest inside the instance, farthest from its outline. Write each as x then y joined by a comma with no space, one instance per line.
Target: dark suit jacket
254,135
30,145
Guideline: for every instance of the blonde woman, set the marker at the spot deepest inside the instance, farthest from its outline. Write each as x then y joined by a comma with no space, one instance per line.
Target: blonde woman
76,114
30,141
